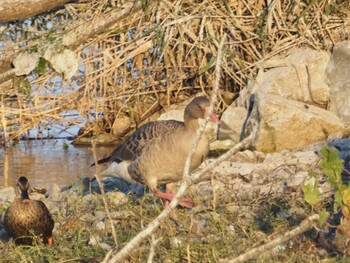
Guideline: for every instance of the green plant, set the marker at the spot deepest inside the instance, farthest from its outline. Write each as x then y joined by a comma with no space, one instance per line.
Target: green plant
332,167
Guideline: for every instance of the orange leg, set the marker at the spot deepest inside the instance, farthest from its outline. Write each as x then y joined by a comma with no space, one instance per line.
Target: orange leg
169,195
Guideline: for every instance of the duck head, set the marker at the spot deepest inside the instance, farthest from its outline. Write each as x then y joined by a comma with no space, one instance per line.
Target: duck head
22,187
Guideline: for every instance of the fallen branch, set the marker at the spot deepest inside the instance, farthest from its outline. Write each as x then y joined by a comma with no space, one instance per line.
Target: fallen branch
84,31
186,177
11,10
304,226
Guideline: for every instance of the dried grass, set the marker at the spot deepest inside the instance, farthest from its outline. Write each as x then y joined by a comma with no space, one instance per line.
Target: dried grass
162,54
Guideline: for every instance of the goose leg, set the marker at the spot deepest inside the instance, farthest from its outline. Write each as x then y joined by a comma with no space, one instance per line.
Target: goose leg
169,195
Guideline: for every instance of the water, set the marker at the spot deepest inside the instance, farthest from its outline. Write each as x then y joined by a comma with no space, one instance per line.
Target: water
45,162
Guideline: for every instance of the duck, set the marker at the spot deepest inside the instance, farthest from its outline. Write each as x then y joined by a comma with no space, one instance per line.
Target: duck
26,217
155,154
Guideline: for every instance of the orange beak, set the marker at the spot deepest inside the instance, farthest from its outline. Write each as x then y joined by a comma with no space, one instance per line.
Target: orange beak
213,117
50,241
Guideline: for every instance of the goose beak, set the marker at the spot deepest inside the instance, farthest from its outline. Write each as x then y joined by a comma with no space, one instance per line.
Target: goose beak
213,117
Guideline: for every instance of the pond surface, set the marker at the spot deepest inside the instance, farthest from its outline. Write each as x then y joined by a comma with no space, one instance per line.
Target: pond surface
45,162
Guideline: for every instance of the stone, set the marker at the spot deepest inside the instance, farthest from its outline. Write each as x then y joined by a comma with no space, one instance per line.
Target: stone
117,198
94,240
280,124
100,226
300,77
221,145
248,156
338,72
7,194
4,237
231,123
121,125
54,192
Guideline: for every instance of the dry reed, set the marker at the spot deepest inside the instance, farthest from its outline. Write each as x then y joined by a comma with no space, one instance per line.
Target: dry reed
156,56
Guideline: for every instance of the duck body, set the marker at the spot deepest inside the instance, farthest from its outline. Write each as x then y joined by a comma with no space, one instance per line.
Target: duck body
25,218
156,153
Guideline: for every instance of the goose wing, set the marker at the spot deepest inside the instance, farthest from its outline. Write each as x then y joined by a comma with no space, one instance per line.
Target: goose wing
142,138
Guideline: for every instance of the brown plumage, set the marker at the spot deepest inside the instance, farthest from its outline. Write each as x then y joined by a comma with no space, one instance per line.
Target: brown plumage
156,153
26,217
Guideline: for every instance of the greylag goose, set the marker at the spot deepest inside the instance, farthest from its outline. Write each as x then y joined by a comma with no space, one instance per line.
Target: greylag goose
26,217
156,152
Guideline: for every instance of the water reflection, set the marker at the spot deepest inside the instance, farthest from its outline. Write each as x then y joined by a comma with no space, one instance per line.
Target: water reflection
46,162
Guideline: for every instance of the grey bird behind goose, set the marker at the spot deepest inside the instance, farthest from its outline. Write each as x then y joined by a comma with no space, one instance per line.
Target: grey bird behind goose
156,153
26,217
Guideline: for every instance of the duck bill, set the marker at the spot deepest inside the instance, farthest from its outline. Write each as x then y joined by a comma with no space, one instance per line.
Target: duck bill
213,117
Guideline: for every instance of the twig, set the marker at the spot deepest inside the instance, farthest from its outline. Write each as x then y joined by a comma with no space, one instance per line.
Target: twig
186,177
151,251
242,145
304,226
109,253
97,176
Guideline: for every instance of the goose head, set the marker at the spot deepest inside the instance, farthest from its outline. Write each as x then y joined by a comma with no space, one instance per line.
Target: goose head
198,109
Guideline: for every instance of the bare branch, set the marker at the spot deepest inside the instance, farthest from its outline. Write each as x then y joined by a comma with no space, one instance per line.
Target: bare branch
304,226
203,174
152,252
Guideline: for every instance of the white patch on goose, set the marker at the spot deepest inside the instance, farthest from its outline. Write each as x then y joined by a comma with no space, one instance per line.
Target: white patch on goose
119,170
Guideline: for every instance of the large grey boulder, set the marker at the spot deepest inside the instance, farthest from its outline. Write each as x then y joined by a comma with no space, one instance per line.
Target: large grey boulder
300,77
338,72
231,123
281,124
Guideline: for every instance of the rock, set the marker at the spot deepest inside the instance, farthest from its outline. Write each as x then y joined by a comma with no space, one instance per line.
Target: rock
117,198
248,156
297,179
54,192
221,145
94,240
278,123
338,72
26,62
105,246
231,123
100,226
4,237
274,174
343,145
118,184
120,126
300,77
7,194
